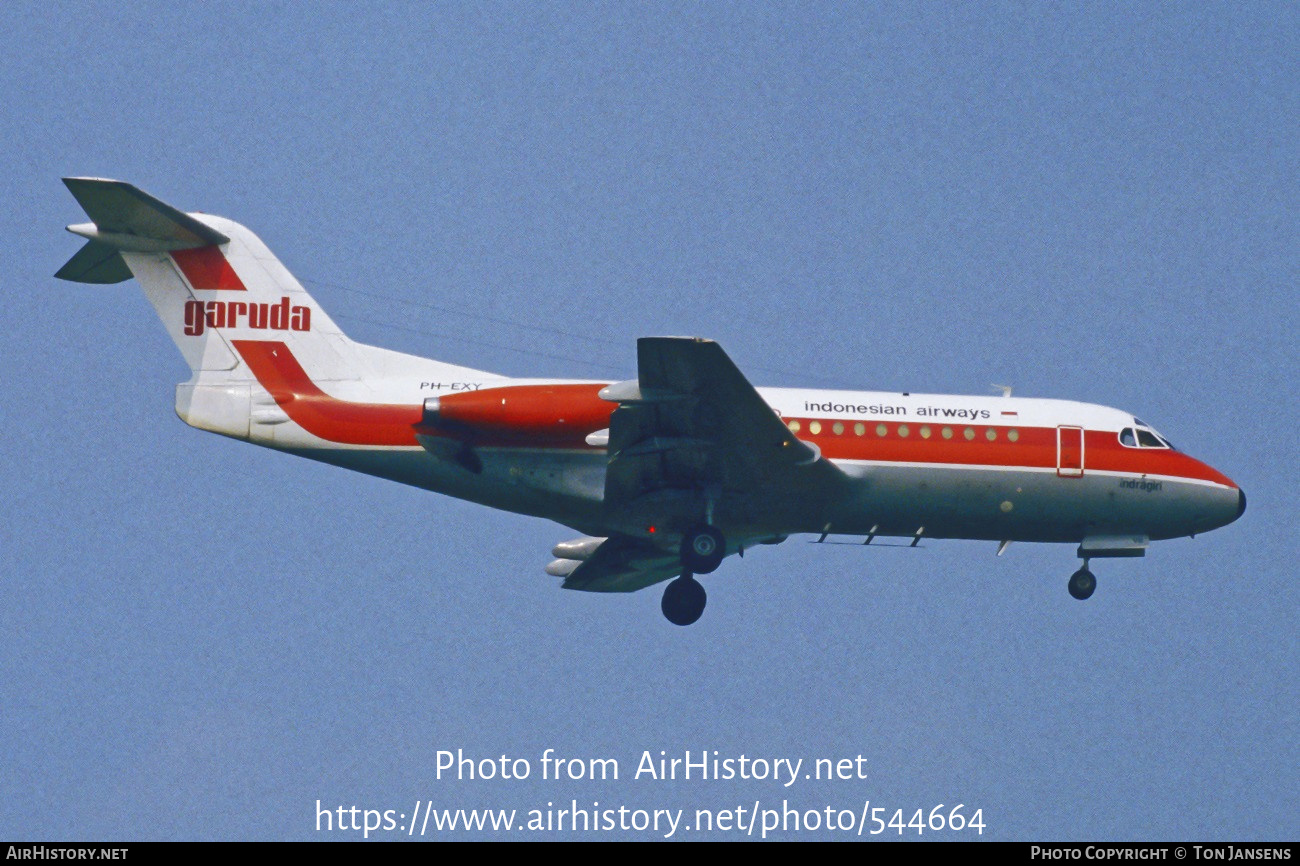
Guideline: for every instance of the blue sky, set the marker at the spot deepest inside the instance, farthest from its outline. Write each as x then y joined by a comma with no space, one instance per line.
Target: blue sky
203,638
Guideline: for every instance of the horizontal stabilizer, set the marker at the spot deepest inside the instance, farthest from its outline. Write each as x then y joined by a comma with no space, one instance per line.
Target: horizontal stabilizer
125,218
95,263
118,208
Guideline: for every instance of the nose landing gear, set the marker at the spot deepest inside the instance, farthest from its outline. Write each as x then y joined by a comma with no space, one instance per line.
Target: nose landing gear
1083,583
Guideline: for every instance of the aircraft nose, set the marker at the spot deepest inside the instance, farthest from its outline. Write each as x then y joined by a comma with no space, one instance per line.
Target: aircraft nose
1218,505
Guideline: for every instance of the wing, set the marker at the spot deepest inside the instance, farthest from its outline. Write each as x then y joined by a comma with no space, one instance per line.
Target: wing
691,429
615,564
692,421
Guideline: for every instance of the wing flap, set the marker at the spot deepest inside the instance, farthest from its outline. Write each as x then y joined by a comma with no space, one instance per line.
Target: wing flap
619,564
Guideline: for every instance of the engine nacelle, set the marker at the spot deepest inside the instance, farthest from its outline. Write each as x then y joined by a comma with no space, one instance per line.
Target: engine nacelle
520,413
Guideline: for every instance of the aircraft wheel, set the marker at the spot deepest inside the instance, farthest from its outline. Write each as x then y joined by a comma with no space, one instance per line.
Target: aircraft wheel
703,549
683,600
1082,584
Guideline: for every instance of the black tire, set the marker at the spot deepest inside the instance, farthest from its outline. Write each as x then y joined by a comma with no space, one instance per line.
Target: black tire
1082,584
703,549
683,601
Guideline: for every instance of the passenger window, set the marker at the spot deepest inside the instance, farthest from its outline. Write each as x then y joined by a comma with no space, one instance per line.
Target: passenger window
1126,438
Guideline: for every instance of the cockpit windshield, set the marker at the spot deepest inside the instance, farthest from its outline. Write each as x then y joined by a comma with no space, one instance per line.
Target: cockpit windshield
1147,439
1143,436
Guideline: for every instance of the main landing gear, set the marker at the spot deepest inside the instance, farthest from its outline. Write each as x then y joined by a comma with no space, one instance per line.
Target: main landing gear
684,600
1082,583
703,548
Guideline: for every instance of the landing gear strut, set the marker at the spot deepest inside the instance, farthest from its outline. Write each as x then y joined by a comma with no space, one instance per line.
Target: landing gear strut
703,548
683,600
1082,583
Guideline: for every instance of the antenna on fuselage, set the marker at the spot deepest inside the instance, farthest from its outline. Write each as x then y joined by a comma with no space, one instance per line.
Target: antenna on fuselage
1005,389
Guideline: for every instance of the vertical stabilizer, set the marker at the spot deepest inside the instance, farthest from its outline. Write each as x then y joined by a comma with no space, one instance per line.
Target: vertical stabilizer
210,280
222,295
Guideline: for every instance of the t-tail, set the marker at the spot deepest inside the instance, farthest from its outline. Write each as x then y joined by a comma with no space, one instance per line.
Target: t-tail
239,318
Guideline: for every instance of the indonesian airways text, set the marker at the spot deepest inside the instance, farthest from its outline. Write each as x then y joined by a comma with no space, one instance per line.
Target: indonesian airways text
928,412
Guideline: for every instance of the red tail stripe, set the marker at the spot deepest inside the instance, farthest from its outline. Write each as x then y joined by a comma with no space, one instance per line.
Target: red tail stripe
207,270
317,412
